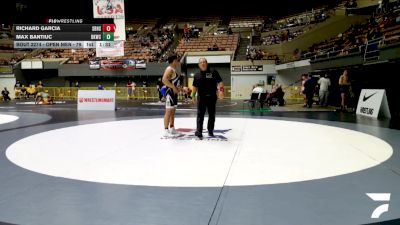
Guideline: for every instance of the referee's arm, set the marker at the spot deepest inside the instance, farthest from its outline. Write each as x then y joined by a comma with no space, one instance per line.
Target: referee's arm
194,91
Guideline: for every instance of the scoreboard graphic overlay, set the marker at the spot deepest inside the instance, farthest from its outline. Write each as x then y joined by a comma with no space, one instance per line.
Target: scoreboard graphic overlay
64,35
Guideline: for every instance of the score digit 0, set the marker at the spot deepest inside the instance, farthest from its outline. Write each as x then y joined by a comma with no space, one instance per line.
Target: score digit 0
108,28
108,36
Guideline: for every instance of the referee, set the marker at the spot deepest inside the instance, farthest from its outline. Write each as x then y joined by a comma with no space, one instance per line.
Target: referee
206,84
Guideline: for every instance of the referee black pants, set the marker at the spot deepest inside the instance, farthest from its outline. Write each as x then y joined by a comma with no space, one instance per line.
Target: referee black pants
159,95
206,103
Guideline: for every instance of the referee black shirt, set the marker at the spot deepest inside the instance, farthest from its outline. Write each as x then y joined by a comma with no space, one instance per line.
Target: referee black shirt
207,82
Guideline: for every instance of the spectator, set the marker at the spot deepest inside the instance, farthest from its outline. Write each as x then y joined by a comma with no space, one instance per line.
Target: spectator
350,6
24,92
304,77
283,36
31,90
309,89
144,85
39,85
215,47
159,86
130,85
258,89
324,83
344,85
186,32
354,39
296,54
385,5
306,18
254,54
17,84
100,87
5,93
17,89
276,93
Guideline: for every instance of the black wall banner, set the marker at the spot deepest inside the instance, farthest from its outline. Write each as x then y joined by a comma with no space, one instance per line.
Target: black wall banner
249,68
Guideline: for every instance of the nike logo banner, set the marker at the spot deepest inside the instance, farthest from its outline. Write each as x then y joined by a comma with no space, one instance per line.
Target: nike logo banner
366,98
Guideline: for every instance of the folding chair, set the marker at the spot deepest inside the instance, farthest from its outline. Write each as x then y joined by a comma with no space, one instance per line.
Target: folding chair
254,98
262,99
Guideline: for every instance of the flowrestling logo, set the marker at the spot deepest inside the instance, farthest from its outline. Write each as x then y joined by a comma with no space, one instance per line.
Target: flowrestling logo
188,134
379,197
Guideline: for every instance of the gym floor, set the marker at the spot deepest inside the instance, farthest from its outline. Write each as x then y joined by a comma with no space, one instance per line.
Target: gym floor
281,165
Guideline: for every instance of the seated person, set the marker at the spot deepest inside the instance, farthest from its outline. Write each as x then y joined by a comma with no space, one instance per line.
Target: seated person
259,90
24,93
31,90
277,93
39,87
18,93
43,98
215,47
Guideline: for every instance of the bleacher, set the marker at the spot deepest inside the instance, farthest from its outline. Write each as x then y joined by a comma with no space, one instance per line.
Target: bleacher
137,46
76,56
151,51
198,21
258,54
9,55
289,28
392,34
308,17
138,24
385,25
246,21
204,43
